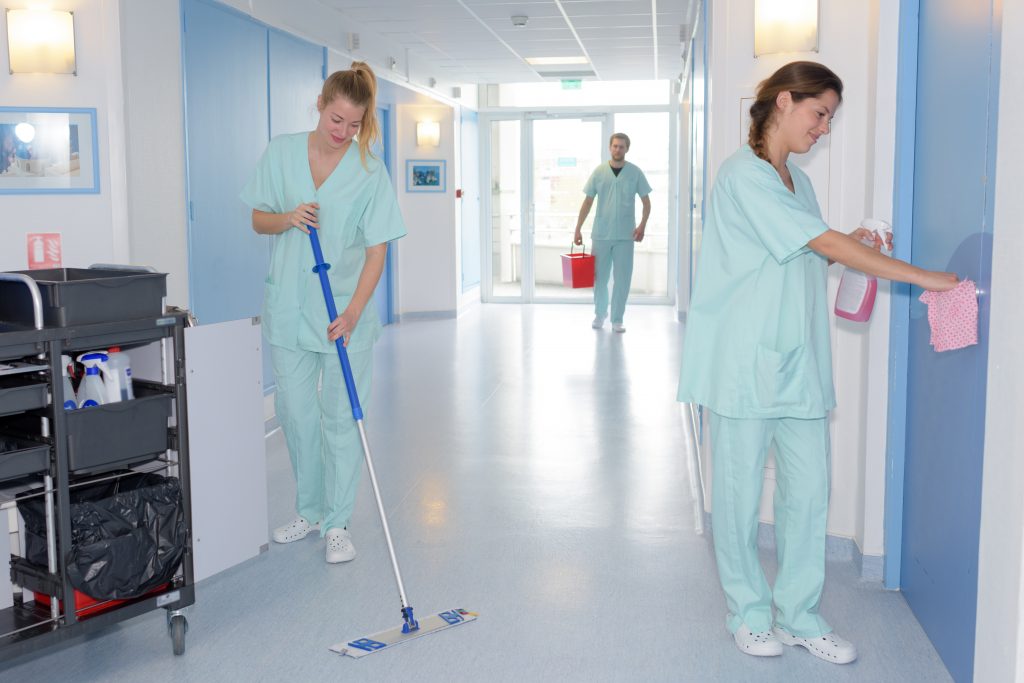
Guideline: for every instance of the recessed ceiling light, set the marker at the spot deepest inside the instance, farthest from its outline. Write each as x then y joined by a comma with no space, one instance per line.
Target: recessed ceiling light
548,61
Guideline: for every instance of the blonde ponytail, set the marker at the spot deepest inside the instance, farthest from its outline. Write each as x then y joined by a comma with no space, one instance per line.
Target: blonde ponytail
358,85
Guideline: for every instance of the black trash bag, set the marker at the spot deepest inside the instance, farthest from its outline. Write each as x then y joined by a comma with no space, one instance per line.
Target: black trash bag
128,536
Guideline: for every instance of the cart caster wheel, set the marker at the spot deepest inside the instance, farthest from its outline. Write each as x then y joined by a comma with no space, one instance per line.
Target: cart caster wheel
178,626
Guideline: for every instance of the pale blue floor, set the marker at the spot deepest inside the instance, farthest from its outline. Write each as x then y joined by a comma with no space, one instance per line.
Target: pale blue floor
533,471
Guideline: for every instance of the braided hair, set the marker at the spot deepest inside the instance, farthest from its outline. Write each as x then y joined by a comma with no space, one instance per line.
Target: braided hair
801,80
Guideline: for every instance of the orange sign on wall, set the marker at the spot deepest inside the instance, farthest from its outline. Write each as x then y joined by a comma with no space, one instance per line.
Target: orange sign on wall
44,250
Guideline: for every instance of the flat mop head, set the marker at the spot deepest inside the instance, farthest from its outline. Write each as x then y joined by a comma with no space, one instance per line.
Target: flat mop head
398,635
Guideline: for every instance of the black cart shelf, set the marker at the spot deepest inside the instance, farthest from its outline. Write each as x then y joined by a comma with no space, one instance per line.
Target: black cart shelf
48,452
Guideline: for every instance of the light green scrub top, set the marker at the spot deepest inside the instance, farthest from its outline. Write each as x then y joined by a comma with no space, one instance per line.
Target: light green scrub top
358,209
616,200
757,335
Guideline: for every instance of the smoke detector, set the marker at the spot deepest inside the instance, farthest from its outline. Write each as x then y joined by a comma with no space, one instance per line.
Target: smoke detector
520,20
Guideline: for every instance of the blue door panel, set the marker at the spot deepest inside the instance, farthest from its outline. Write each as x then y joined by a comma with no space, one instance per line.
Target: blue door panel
226,105
952,219
296,79
243,84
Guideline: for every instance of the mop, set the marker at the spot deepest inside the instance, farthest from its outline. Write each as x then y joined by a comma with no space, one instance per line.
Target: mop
410,628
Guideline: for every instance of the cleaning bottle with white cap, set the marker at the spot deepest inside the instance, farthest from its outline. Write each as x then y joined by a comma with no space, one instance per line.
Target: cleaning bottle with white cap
856,297
92,392
70,398
117,376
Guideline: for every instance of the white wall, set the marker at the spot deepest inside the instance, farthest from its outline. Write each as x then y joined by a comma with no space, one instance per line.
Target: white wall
428,264
93,227
427,258
881,164
999,649
843,172
154,123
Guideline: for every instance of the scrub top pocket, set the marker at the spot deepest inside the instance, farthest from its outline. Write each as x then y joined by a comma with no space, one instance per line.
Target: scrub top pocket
782,378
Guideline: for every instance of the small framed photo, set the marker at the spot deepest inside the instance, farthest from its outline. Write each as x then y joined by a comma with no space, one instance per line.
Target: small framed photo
425,175
48,151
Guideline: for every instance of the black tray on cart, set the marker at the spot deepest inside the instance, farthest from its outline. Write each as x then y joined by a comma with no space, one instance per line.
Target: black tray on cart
82,296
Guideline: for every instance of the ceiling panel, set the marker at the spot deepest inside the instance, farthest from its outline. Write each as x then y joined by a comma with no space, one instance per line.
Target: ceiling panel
471,39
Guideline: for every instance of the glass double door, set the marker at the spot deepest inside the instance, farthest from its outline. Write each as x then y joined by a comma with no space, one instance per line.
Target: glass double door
538,167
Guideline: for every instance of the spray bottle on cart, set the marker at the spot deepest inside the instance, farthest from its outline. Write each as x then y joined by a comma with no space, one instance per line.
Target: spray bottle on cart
856,297
70,399
117,376
92,392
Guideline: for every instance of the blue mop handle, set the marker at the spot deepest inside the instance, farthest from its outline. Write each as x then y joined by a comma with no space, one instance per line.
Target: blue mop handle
321,269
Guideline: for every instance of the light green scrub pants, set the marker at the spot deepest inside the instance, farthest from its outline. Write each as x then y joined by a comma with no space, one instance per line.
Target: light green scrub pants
739,450
323,440
609,255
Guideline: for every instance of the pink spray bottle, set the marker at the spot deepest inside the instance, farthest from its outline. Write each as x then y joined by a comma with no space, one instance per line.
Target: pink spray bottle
856,297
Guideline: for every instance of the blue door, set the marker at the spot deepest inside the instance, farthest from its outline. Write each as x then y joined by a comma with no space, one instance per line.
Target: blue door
225,61
244,83
296,78
953,180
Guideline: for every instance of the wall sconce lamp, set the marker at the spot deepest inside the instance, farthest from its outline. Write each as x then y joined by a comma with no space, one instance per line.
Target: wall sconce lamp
785,26
428,134
41,41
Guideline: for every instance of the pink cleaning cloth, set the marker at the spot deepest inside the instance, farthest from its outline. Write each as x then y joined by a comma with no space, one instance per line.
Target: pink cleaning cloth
953,316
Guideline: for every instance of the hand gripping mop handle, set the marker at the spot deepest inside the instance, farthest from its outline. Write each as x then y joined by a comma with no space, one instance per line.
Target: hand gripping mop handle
321,269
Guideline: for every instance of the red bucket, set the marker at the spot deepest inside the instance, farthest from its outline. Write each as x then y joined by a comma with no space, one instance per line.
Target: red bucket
578,269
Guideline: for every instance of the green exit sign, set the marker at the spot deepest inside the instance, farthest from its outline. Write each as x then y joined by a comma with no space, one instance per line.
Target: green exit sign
571,84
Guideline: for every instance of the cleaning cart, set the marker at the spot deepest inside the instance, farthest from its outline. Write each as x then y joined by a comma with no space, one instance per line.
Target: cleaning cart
61,469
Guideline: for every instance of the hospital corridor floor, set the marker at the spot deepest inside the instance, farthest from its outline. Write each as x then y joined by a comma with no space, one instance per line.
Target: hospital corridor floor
534,471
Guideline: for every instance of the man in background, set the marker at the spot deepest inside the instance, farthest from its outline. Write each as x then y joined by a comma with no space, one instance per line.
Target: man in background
616,185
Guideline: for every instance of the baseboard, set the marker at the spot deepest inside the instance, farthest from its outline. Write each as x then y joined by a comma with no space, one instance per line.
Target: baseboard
837,549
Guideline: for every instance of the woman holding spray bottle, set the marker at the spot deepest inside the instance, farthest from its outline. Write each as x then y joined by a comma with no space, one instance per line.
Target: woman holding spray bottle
757,356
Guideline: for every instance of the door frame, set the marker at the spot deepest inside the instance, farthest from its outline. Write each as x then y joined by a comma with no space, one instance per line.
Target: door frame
529,290
526,117
899,311
486,229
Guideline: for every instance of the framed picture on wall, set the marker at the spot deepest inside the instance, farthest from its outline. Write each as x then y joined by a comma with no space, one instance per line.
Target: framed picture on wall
425,175
48,151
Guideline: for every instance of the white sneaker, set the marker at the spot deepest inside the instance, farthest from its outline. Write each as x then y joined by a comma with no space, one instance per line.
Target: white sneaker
339,546
761,644
598,323
618,327
295,530
829,647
